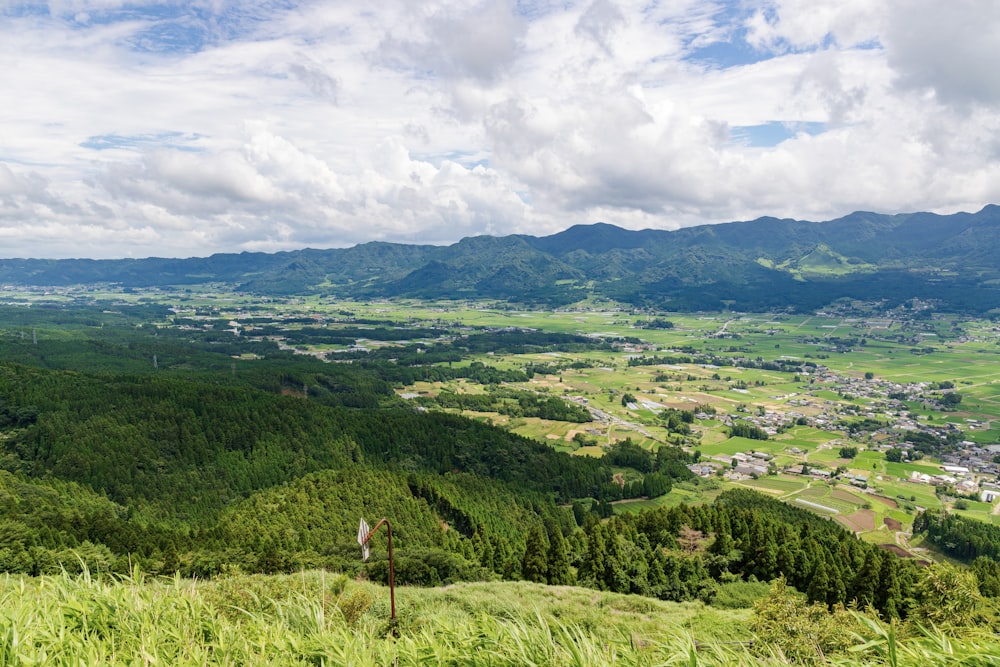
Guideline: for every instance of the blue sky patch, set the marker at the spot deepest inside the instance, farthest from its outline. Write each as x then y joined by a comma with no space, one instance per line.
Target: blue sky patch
468,159
25,9
174,140
722,55
772,133
734,50
174,36
184,28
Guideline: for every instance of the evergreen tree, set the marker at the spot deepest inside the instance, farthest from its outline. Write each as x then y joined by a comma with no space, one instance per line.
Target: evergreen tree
656,576
557,568
786,560
837,593
615,575
483,548
638,555
819,584
987,573
579,512
723,543
866,582
593,563
505,560
766,565
534,565
889,597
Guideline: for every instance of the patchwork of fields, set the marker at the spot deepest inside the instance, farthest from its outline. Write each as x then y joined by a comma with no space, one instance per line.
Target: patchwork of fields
935,350
816,375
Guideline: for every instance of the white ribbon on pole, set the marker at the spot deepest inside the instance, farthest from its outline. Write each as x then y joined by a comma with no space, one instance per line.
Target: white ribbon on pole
363,531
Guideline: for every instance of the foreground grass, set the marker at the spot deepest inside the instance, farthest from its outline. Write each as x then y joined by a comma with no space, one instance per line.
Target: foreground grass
318,618
322,619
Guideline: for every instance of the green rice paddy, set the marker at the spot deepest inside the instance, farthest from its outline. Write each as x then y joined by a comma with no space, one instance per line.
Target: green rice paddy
931,350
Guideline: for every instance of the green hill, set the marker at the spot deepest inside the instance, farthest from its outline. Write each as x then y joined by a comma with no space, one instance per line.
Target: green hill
821,261
759,265
176,464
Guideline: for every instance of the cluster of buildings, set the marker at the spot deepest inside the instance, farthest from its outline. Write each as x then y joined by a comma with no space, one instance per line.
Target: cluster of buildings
976,458
968,468
751,464
740,466
964,481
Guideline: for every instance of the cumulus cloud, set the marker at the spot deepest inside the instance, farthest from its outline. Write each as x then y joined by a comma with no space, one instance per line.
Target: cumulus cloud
797,24
949,48
599,22
315,76
13,185
150,128
454,40
272,194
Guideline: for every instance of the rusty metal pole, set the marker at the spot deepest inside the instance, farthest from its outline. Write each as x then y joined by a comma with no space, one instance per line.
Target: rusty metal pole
392,568
392,576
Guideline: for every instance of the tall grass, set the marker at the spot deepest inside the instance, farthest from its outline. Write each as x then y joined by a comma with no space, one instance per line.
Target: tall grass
322,619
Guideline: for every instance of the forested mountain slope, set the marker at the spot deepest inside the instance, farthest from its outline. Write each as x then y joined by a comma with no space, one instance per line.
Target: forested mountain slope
231,453
167,459
202,460
756,265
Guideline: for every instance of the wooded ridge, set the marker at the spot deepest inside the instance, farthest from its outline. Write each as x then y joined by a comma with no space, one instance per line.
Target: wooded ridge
763,264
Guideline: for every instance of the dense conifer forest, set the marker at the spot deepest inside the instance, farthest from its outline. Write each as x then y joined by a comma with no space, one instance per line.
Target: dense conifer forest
184,475
133,440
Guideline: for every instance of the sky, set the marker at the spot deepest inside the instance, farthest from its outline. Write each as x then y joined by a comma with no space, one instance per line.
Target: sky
180,129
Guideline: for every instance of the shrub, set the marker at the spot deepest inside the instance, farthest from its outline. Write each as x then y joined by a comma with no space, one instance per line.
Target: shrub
740,594
802,632
354,604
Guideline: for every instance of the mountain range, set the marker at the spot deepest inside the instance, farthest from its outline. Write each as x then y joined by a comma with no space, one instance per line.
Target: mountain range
763,264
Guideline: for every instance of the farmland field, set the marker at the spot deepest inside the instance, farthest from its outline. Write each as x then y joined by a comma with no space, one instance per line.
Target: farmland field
806,380
780,484
604,376
964,353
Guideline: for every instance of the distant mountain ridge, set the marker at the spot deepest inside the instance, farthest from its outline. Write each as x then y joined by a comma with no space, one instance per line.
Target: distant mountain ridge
760,264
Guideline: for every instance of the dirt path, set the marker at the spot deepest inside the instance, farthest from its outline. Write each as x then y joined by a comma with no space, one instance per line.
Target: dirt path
903,541
792,493
611,420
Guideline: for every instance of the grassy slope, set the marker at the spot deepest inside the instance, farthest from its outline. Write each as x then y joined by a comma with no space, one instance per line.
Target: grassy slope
316,618
320,618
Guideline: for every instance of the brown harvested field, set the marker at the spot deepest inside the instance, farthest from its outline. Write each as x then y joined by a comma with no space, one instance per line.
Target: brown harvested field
859,521
892,524
676,405
888,501
841,494
899,551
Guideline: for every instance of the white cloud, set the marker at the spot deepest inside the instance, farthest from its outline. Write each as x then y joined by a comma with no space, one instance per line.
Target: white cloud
951,48
453,39
599,22
272,125
797,24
